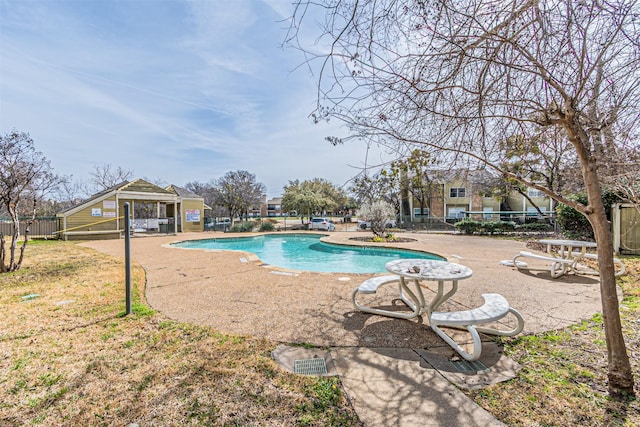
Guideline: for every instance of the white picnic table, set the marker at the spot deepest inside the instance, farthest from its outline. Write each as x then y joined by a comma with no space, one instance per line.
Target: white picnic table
417,271
568,257
566,247
564,260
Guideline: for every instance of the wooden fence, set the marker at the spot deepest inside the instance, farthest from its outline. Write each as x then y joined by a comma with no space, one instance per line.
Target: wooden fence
626,229
41,227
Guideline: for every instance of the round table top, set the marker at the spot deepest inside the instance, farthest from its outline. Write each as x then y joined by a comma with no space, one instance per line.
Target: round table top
575,243
428,269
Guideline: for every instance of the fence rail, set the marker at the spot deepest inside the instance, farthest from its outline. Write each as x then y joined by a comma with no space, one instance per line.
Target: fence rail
428,223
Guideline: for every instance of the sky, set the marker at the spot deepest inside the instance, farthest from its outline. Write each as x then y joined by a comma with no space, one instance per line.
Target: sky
174,91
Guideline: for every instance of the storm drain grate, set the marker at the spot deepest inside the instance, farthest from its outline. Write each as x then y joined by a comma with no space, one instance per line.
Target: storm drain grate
315,366
467,366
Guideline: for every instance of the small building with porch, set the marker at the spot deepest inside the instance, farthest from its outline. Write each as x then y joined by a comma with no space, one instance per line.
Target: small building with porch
153,209
190,209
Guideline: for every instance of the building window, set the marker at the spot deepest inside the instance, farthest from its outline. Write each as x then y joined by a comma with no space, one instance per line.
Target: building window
457,192
487,213
457,212
532,192
531,211
416,212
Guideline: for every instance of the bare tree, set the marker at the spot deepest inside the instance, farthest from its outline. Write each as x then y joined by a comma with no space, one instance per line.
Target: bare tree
366,188
201,189
412,171
238,191
211,196
378,213
623,175
455,78
381,186
107,176
70,193
25,177
155,181
547,158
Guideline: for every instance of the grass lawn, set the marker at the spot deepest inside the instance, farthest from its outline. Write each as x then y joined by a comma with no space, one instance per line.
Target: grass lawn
563,381
69,357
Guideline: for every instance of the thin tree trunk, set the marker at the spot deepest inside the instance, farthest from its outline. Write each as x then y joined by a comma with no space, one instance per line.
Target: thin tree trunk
620,375
621,380
24,246
14,241
3,253
27,229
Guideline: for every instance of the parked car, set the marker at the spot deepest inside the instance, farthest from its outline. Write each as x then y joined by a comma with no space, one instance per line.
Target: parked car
220,224
321,224
223,221
364,225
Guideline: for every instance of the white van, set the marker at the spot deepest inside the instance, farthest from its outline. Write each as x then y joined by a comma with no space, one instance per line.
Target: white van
223,221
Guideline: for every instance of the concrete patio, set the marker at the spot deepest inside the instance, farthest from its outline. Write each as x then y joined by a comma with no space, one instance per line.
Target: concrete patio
235,293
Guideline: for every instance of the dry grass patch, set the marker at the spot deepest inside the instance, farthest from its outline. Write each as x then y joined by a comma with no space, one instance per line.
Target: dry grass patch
564,377
69,357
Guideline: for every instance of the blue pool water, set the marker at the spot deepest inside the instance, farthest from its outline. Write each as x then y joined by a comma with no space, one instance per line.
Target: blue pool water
306,252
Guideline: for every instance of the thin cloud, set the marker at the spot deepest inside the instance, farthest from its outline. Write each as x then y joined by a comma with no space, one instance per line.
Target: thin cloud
180,90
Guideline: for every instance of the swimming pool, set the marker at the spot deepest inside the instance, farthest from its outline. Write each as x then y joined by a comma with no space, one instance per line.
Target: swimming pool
306,252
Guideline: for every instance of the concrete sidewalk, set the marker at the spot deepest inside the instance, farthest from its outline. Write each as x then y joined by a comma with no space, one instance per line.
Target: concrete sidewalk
396,372
407,387
399,387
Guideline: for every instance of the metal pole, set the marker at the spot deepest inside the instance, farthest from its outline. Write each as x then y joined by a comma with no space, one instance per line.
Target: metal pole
127,257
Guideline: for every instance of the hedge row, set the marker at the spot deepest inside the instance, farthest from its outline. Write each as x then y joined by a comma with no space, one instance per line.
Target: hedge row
249,226
469,226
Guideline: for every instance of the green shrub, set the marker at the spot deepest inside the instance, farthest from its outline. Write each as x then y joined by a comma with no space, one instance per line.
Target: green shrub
493,227
535,227
496,227
267,226
489,227
242,227
468,226
506,226
573,224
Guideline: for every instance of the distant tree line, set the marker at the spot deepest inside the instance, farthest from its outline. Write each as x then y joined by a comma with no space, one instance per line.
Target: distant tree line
233,195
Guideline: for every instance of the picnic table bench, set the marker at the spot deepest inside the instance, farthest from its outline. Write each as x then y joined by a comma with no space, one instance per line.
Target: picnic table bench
495,307
415,271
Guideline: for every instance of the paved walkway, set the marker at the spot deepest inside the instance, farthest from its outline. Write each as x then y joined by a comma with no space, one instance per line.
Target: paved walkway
391,368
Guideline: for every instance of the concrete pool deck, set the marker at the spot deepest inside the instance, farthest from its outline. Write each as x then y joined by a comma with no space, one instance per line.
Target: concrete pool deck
233,293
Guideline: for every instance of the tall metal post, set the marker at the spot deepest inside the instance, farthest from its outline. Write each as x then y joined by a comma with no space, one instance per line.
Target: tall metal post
127,257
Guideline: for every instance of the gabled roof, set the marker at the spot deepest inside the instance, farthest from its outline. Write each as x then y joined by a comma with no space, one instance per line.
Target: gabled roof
183,192
142,186
139,186
96,196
